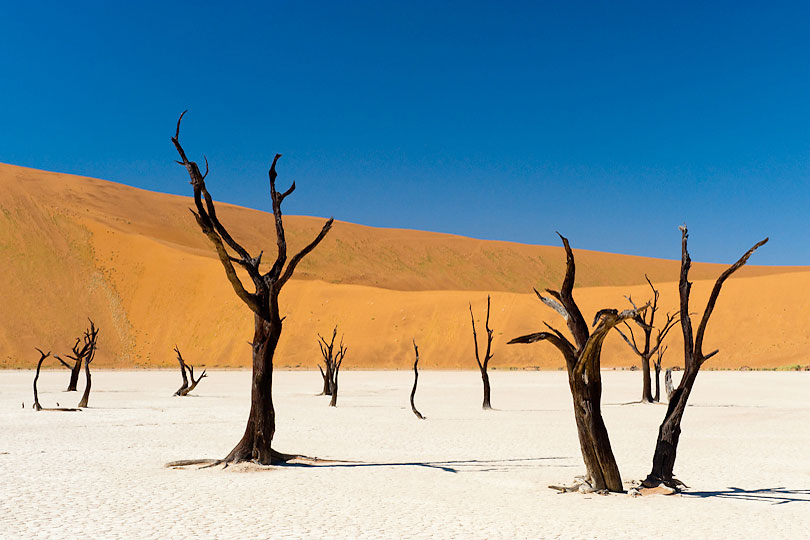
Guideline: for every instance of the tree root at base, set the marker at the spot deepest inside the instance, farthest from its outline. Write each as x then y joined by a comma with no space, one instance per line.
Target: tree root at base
278,458
582,485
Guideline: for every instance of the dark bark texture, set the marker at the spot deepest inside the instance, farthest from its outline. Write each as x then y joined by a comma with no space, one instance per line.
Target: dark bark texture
670,431
582,360
482,366
415,381
256,442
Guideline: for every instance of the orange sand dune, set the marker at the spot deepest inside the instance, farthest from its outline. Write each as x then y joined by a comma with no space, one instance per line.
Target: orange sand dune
134,260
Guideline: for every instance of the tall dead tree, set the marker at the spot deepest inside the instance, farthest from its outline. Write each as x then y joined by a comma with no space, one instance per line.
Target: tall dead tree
76,368
670,431
332,360
90,345
582,360
186,388
255,444
646,322
482,366
415,381
42,357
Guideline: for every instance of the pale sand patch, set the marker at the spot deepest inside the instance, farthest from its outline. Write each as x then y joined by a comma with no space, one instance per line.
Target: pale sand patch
462,473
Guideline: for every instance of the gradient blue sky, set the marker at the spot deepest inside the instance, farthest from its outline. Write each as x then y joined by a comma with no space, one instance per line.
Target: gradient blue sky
612,122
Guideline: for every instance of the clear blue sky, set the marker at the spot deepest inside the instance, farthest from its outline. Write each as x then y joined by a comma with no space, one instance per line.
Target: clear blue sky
611,122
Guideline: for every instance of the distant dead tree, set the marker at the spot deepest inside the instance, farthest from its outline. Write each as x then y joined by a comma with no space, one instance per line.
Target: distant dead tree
482,366
659,355
42,357
332,361
186,388
582,360
37,406
415,381
256,442
90,345
670,430
646,322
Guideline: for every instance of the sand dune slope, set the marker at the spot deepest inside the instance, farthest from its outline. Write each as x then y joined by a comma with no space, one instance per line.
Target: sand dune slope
133,260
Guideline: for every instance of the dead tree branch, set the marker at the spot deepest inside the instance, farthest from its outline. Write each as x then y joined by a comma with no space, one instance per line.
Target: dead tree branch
670,430
482,366
415,381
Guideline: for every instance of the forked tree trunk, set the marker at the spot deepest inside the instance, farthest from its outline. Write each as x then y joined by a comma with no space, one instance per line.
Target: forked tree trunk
594,442
670,431
255,444
327,378
582,360
657,396
482,366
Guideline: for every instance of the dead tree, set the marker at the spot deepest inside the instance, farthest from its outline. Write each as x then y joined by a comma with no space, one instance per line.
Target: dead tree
37,406
336,362
646,322
90,344
327,351
415,381
76,368
42,357
186,388
582,360
482,366
670,431
255,444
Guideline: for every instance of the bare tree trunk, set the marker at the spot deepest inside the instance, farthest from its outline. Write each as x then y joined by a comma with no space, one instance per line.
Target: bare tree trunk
42,357
482,366
582,360
415,381
668,384
657,396
255,444
86,396
74,376
646,388
187,388
670,431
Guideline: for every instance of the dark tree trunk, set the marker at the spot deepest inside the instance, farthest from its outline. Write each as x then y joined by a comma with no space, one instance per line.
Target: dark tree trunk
415,381
594,442
646,388
42,357
582,360
74,376
487,405
333,401
255,444
86,396
482,366
670,430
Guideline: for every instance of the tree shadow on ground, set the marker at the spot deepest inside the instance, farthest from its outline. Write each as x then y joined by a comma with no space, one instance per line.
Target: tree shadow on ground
452,466
778,495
